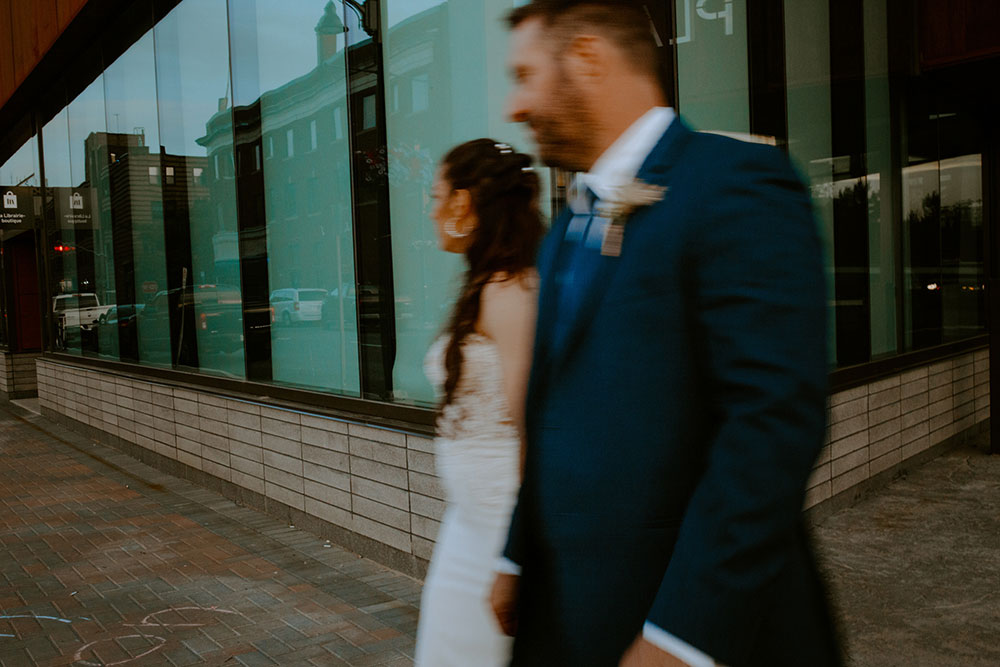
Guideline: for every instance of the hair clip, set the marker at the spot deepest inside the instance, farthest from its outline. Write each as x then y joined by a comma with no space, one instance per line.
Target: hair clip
527,168
503,148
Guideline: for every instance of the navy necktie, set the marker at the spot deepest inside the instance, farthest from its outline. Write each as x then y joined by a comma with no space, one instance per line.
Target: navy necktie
579,260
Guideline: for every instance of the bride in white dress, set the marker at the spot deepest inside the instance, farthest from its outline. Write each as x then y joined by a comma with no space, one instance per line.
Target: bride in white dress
485,207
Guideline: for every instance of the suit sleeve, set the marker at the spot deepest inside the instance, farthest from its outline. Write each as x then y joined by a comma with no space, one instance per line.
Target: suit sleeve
759,310
514,549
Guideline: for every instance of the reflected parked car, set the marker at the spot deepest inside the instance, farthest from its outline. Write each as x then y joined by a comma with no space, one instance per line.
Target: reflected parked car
295,305
215,311
331,312
123,315
78,310
340,303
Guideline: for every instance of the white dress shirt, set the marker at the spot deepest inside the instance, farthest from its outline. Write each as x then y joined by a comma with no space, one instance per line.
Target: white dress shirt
622,160
616,167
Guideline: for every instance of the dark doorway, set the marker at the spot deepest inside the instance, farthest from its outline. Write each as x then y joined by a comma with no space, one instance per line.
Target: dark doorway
23,314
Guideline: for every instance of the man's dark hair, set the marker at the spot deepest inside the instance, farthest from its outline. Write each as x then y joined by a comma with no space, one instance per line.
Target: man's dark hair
625,22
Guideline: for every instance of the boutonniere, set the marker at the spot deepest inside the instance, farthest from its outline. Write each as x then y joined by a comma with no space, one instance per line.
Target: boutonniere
617,209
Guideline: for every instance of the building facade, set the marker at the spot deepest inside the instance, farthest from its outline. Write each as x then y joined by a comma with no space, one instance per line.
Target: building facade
216,250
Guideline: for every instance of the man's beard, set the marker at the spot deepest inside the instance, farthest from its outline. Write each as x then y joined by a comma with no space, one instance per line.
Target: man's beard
565,130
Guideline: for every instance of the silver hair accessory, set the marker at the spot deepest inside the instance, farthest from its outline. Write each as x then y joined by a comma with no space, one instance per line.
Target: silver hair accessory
527,168
503,148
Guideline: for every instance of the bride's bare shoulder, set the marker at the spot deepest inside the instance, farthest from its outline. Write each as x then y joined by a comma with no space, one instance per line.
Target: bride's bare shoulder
525,280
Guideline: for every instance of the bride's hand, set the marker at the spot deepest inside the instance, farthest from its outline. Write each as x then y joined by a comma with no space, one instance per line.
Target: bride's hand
503,600
644,654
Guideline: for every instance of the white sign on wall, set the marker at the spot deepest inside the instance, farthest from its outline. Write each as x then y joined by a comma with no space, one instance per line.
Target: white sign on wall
18,207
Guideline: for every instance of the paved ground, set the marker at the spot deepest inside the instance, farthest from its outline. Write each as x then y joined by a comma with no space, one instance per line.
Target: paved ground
916,567
108,562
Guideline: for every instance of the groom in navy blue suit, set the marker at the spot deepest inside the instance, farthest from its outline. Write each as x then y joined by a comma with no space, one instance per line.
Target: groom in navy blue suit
677,401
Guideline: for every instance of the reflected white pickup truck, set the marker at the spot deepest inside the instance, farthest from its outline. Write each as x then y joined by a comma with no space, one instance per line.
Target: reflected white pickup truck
78,310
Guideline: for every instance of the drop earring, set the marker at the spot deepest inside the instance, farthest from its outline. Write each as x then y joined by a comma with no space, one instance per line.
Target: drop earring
451,229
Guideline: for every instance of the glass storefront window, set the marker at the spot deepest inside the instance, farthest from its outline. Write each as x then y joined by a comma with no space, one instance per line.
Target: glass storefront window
131,151
80,260
943,234
882,236
712,70
291,60
807,73
445,83
199,212
243,190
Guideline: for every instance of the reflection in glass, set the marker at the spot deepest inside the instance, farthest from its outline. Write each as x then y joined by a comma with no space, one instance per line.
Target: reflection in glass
882,236
199,193
291,61
131,149
810,144
943,239
445,83
839,121
943,234
81,259
712,75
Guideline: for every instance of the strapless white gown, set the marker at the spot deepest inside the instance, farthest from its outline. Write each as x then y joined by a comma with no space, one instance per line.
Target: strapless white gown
477,452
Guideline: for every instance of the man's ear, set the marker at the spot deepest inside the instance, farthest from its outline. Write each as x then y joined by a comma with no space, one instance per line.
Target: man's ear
587,57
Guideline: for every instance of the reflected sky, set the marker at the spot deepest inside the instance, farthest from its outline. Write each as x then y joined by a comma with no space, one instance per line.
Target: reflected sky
194,36
22,167
400,11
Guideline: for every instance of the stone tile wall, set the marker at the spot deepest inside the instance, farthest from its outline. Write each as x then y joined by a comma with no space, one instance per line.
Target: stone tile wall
376,488
17,375
875,428
372,482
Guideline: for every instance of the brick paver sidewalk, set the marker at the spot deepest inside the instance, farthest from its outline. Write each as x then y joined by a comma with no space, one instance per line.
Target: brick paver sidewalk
109,562
106,561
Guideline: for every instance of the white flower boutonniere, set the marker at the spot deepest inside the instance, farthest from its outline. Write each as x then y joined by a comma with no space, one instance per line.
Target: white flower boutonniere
617,210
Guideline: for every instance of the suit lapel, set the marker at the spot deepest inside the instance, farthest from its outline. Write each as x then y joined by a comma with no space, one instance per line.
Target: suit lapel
656,171
548,258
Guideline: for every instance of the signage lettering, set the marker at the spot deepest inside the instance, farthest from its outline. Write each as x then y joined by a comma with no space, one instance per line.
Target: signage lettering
18,207
707,10
74,208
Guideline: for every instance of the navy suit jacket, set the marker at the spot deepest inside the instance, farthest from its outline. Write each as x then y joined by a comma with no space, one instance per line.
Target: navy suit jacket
671,433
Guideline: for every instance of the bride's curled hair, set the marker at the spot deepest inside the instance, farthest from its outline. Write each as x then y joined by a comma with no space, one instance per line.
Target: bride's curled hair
504,192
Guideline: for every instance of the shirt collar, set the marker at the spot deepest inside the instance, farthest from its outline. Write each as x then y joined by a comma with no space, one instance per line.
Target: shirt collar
622,160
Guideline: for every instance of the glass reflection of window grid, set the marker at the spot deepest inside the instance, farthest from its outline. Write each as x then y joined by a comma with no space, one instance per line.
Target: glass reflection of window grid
308,199
193,94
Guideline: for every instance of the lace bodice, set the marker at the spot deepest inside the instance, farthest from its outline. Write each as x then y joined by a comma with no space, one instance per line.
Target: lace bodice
479,408
477,446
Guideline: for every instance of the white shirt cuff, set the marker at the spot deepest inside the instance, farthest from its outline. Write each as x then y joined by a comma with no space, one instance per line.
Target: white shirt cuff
675,647
507,566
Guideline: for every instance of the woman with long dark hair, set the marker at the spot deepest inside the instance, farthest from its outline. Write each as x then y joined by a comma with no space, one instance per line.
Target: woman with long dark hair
485,208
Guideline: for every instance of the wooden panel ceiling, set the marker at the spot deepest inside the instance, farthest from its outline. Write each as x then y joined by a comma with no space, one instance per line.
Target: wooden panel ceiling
956,31
8,81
